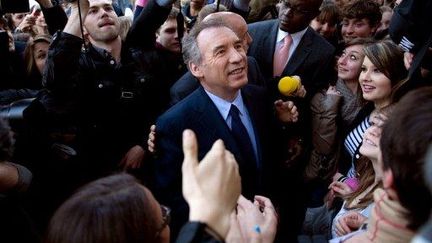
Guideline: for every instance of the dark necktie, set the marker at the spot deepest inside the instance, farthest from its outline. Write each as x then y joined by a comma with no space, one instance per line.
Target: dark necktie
241,135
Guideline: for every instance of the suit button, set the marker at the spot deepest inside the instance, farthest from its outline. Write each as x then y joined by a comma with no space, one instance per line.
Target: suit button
142,80
100,86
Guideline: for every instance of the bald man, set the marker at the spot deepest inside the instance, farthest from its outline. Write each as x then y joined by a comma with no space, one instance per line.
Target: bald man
188,83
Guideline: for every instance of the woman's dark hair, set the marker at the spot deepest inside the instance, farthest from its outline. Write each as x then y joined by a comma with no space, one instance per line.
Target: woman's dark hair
329,13
109,210
404,141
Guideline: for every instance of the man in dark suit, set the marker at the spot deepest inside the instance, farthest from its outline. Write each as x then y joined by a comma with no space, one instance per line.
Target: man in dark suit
217,110
310,57
188,83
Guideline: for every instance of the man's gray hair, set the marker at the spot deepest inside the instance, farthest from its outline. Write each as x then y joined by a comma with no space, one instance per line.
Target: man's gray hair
191,52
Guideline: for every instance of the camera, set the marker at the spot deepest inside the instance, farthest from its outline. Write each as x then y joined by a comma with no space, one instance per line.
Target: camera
14,6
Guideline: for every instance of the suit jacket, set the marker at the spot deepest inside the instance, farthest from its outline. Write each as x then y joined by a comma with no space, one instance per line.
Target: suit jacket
198,112
313,59
188,83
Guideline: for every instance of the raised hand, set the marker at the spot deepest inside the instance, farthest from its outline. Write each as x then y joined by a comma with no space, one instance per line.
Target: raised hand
212,186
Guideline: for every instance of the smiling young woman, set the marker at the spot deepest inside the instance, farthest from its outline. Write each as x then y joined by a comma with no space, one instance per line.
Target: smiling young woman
382,73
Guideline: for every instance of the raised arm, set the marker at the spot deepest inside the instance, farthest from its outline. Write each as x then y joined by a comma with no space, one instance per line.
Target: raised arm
143,29
62,72
55,17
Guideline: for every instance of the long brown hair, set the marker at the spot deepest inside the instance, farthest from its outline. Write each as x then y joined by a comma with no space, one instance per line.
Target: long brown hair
366,180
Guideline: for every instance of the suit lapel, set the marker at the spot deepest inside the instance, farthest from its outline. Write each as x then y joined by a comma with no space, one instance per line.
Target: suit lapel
270,40
300,54
210,120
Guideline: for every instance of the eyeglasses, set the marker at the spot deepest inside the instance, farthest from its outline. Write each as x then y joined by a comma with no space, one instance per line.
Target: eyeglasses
295,9
166,219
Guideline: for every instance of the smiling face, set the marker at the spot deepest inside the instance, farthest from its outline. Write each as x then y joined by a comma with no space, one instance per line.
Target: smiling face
101,22
350,62
353,28
376,86
370,146
223,67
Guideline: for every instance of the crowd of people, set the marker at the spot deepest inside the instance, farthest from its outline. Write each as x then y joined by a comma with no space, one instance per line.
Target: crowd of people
165,120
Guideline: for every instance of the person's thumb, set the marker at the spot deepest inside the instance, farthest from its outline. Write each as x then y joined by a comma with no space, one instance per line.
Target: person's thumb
190,149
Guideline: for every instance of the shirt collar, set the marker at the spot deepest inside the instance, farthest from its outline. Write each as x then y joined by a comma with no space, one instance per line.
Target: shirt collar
225,106
297,36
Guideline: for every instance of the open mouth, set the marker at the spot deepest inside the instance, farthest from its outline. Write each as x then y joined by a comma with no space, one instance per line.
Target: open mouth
367,88
236,71
367,141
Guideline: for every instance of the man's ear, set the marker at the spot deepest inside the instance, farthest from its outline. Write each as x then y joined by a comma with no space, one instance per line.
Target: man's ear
86,34
195,70
388,179
157,33
85,30
388,184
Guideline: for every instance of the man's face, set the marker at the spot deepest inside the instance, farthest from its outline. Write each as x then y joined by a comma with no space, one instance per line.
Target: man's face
353,28
223,69
168,36
101,22
295,15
